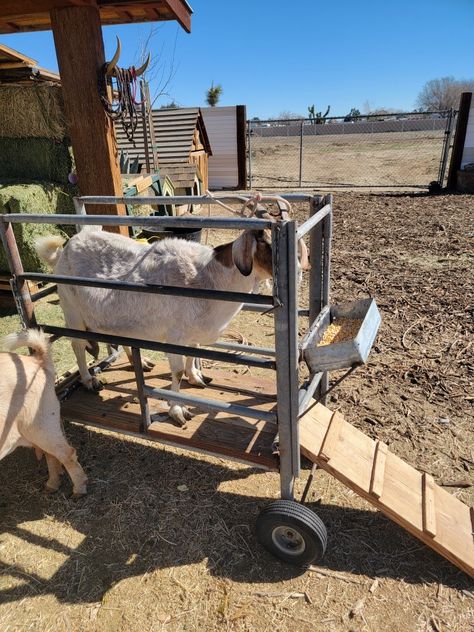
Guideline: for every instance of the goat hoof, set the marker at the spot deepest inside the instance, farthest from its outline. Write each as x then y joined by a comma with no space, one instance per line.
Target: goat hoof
78,495
50,490
147,364
199,380
94,385
180,414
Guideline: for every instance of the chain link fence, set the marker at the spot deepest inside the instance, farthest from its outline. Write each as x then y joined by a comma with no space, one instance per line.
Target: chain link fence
401,150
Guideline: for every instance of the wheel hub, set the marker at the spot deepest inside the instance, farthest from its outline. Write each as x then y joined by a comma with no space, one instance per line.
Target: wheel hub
288,540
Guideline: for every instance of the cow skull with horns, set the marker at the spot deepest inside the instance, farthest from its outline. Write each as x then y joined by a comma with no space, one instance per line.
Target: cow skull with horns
118,91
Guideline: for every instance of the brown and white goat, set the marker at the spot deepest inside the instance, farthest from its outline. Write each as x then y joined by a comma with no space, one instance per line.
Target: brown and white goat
29,409
238,266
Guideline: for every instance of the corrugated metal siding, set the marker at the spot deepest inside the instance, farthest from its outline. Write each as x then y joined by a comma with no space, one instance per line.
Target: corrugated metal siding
221,126
468,153
174,133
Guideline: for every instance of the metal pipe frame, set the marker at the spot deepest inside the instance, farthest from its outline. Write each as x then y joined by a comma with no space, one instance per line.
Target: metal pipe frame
235,346
291,401
164,347
327,239
20,289
143,222
307,392
285,273
149,288
313,220
209,404
320,238
189,199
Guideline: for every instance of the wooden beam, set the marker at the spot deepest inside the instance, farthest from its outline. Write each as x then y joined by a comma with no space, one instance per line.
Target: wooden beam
80,53
25,7
182,11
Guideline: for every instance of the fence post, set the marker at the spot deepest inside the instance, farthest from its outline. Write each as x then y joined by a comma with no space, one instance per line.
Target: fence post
301,154
459,138
446,147
249,145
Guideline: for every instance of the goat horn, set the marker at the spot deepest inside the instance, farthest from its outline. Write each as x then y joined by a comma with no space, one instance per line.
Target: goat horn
143,67
111,65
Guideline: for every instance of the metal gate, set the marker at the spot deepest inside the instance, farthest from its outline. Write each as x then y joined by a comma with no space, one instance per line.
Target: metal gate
391,151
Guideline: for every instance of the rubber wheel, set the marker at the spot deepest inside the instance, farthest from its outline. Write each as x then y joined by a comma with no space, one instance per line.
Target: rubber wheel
292,532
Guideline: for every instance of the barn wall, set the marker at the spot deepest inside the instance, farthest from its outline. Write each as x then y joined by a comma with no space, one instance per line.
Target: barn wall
221,126
468,153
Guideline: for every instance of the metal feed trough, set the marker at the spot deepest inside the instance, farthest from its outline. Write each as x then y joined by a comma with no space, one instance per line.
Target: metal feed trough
246,433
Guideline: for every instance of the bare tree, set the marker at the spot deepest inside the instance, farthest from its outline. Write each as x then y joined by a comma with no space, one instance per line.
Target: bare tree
286,115
161,69
443,93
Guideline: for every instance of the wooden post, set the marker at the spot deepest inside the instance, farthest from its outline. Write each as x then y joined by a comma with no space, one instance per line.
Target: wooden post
80,52
459,139
241,119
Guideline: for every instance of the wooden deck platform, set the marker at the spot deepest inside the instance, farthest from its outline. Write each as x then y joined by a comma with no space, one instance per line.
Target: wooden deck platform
408,497
116,407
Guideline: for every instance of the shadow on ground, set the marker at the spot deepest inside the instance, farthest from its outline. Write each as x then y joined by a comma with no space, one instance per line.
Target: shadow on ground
135,521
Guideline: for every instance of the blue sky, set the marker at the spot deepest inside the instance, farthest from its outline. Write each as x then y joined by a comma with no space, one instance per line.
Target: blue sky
281,56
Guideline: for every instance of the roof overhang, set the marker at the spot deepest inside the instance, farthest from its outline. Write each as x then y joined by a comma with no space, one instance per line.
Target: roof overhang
34,15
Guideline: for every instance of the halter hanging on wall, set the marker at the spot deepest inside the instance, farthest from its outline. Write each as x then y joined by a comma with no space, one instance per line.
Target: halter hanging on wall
119,97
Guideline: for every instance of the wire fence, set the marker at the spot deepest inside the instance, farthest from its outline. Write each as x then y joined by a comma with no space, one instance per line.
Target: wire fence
401,150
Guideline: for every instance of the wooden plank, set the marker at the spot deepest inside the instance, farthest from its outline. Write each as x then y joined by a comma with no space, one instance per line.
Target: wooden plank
378,469
143,184
402,499
331,438
429,508
80,53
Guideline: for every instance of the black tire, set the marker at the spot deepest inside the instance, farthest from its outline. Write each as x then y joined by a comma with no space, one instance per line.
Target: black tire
292,532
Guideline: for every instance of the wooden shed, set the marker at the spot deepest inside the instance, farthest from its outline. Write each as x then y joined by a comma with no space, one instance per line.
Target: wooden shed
180,139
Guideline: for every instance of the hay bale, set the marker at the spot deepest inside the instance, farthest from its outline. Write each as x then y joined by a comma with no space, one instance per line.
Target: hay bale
29,159
32,111
34,198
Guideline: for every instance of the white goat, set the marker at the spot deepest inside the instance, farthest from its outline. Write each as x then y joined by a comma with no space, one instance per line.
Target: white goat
29,409
238,266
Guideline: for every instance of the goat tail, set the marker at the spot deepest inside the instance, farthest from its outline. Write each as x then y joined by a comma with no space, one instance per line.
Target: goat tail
35,339
49,248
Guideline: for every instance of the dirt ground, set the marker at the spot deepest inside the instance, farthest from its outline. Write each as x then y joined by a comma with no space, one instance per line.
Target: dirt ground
165,539
397,159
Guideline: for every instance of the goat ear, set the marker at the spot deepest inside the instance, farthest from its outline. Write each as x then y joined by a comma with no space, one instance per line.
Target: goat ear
243,251
303,253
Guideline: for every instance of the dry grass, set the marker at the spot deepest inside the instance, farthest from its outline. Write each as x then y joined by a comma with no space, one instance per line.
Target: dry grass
398,159
165,539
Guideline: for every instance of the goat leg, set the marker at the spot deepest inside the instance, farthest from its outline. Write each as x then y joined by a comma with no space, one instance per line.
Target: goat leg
147,364
194,374
177,412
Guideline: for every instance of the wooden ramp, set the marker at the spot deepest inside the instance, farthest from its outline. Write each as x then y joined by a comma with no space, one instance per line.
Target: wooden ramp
408,497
